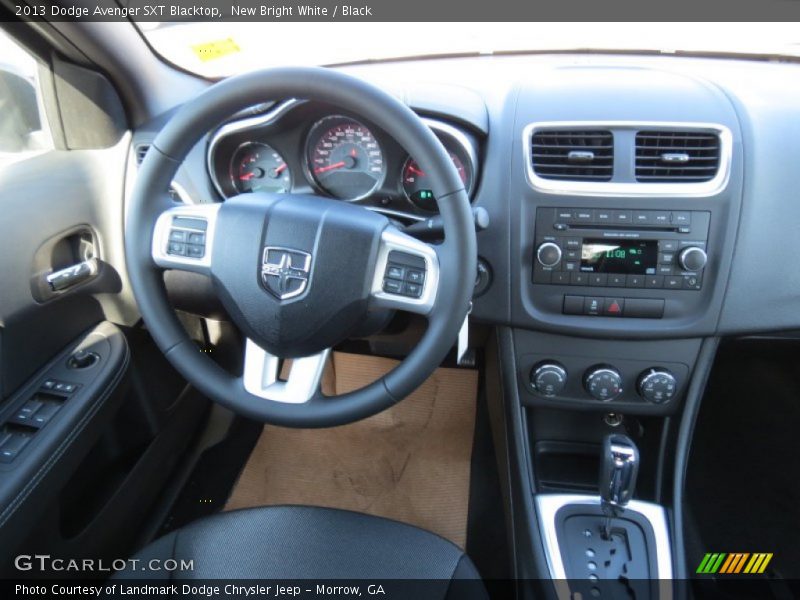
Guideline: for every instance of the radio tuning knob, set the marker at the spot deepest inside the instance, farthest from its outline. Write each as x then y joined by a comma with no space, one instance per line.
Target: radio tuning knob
692,258
548,254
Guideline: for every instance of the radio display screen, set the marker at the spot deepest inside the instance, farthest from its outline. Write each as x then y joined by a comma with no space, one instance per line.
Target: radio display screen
634,257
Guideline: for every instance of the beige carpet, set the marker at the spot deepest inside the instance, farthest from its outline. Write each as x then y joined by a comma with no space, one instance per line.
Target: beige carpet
410,463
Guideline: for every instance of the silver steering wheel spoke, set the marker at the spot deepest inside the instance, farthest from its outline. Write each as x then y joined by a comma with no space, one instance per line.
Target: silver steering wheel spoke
262,371
406,273
183,237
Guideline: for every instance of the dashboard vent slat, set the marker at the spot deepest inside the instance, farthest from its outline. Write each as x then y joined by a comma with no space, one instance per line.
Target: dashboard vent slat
585,155
677,156
141,151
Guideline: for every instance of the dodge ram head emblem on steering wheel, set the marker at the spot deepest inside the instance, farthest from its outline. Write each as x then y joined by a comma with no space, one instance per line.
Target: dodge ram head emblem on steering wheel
285,271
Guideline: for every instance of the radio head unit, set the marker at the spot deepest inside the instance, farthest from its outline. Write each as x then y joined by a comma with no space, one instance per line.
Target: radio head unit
610,248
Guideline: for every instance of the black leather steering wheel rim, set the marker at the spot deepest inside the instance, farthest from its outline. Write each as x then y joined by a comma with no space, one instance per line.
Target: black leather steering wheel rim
457,254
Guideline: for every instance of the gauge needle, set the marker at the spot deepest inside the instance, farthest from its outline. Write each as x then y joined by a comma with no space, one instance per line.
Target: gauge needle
281,169
337,165
415,170
247,177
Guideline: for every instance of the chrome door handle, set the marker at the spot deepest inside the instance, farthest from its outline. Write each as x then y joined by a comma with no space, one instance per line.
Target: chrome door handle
71,276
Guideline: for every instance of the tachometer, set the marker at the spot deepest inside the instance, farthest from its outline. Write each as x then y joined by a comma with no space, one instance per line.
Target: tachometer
344,158
417,187
257,167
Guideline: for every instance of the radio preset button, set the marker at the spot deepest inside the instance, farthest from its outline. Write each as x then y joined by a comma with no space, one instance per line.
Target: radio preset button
634,281
584,216
653,281
598,279
616,280
602,217
579,278
642,217
560,278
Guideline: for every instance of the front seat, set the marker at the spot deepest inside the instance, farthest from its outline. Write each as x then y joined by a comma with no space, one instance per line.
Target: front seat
304,542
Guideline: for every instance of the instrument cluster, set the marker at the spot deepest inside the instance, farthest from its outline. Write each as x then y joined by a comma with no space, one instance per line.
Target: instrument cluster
305,147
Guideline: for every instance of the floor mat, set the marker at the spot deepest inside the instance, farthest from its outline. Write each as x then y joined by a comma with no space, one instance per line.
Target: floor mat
410,463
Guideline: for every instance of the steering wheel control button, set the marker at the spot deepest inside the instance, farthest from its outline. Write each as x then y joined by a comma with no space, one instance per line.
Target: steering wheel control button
548,378
176,248
415,276
548,254
603,383
404,275
657,385
392,286
187,237
413,290
395,272
177,235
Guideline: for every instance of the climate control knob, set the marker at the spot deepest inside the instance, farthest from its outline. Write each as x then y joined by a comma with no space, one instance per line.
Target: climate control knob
548,254
603,382
692,258
548,378
657,385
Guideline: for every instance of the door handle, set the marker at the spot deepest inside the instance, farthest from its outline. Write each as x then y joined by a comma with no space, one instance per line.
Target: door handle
73,275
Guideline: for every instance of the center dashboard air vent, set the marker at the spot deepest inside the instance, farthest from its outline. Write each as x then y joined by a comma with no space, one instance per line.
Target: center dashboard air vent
677,156
573,155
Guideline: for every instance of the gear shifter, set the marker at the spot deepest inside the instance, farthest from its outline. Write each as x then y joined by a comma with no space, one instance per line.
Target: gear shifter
619,466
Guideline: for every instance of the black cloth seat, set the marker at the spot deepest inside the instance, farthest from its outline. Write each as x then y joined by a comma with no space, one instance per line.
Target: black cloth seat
303,542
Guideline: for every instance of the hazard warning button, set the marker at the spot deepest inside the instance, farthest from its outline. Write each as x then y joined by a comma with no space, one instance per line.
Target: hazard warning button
614,307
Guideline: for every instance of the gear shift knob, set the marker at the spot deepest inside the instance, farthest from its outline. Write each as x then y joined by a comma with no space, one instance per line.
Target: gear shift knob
619,466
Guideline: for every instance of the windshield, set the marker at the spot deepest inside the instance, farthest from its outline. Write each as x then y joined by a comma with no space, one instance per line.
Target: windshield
216,49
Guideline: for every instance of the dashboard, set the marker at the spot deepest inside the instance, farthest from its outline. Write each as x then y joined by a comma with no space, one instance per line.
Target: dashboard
299,146
637,204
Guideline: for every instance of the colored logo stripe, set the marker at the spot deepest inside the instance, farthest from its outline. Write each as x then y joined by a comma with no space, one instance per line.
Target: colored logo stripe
733,563
759,562
711,562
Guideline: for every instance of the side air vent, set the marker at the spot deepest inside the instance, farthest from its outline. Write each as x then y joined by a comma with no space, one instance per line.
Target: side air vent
573,155
141,150
676,156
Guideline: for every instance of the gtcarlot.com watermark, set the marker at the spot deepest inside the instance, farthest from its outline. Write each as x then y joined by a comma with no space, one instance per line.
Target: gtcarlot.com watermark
46,563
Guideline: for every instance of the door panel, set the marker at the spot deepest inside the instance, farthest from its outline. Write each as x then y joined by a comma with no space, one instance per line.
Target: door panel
47,202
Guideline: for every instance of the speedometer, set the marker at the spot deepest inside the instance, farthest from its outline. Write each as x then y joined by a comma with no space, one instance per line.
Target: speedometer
344,158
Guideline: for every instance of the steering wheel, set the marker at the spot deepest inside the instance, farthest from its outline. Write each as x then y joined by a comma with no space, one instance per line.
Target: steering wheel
298,273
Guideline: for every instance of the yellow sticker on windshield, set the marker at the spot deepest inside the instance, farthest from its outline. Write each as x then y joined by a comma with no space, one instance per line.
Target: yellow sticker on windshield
213,50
